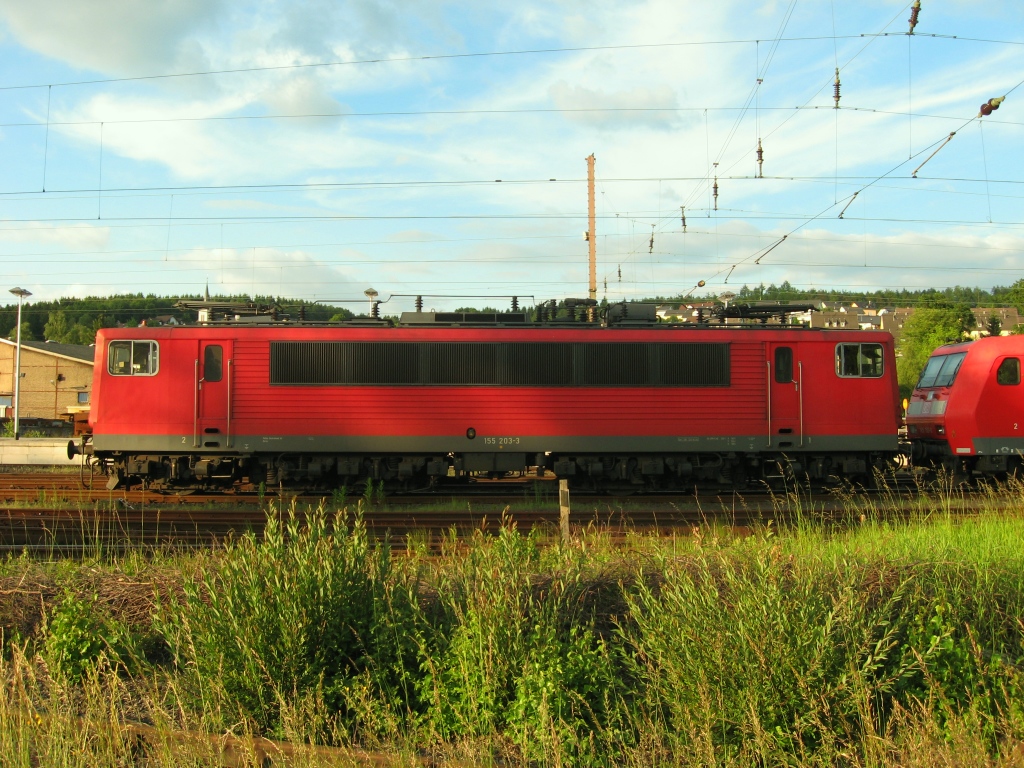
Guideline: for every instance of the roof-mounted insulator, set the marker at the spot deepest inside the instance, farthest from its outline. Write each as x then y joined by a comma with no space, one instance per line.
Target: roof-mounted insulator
375,310
835,90
515,303
682,216
760,159
419,303
915,12
650,245
302,312
714,192
990,106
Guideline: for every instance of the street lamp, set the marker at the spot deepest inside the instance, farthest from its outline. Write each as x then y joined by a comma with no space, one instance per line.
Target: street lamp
21,293
371,294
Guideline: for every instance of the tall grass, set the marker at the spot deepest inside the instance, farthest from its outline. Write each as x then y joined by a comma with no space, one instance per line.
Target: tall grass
879,642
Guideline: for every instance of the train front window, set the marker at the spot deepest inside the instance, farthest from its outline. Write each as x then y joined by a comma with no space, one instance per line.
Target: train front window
947,373
931,370
133,358
940,370
859,360
1008,373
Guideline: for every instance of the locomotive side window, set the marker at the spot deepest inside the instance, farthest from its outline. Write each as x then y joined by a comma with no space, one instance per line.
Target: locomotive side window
133,358
859,360
1008,372
783,365
213,363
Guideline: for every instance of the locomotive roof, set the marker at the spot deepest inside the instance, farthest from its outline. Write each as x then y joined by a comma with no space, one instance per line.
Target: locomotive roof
572,313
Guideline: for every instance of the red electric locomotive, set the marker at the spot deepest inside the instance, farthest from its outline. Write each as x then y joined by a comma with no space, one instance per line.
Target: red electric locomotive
967,412
627,403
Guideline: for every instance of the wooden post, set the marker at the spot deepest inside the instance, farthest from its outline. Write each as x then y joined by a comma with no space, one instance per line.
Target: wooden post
563,507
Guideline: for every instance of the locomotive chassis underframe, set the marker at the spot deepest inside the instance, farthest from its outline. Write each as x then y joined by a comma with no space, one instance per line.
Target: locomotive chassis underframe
593,471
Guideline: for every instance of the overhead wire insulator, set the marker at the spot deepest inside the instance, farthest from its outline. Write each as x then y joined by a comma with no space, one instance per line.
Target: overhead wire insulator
620,273
915,12
835,90
682,216
990,106
714,192
849,203
650,246
933,154
760,159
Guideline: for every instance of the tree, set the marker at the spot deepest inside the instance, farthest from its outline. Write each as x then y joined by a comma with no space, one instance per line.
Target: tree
26,332
923,332
1015,295
994,326
57,327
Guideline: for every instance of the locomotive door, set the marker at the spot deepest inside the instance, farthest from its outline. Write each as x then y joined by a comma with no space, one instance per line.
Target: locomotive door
785,397
213,394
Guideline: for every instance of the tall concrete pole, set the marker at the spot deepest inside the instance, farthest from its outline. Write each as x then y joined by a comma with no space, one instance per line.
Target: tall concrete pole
592,227
21,293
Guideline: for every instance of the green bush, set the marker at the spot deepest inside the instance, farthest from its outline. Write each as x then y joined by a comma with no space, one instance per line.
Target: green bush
301,613
77,637
513,651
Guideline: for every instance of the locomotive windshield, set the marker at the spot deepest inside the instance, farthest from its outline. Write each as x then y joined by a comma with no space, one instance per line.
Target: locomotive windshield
941,370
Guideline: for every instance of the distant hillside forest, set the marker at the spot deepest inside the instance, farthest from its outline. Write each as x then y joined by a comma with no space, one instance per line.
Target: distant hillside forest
75,321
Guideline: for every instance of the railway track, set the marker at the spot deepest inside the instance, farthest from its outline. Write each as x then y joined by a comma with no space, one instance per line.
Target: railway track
53,513
65,531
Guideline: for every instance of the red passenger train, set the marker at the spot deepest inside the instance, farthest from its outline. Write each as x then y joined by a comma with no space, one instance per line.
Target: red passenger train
967,412
627,403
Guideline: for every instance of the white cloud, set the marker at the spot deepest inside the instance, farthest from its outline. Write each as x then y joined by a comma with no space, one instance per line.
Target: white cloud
636,108
78,236
114,36
301,96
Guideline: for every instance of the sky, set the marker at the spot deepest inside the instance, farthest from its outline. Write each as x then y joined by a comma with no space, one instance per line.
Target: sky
314,149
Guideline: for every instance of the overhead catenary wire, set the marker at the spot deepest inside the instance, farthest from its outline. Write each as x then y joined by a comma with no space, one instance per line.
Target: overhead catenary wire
468,55
941,144
696,189
107,197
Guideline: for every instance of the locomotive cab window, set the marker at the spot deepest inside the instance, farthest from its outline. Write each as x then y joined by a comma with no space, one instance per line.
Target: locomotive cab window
1008,372
859,360
133,358
783,365
941,370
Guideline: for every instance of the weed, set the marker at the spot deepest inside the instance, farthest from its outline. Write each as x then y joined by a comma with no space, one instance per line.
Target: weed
339,497
77,638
